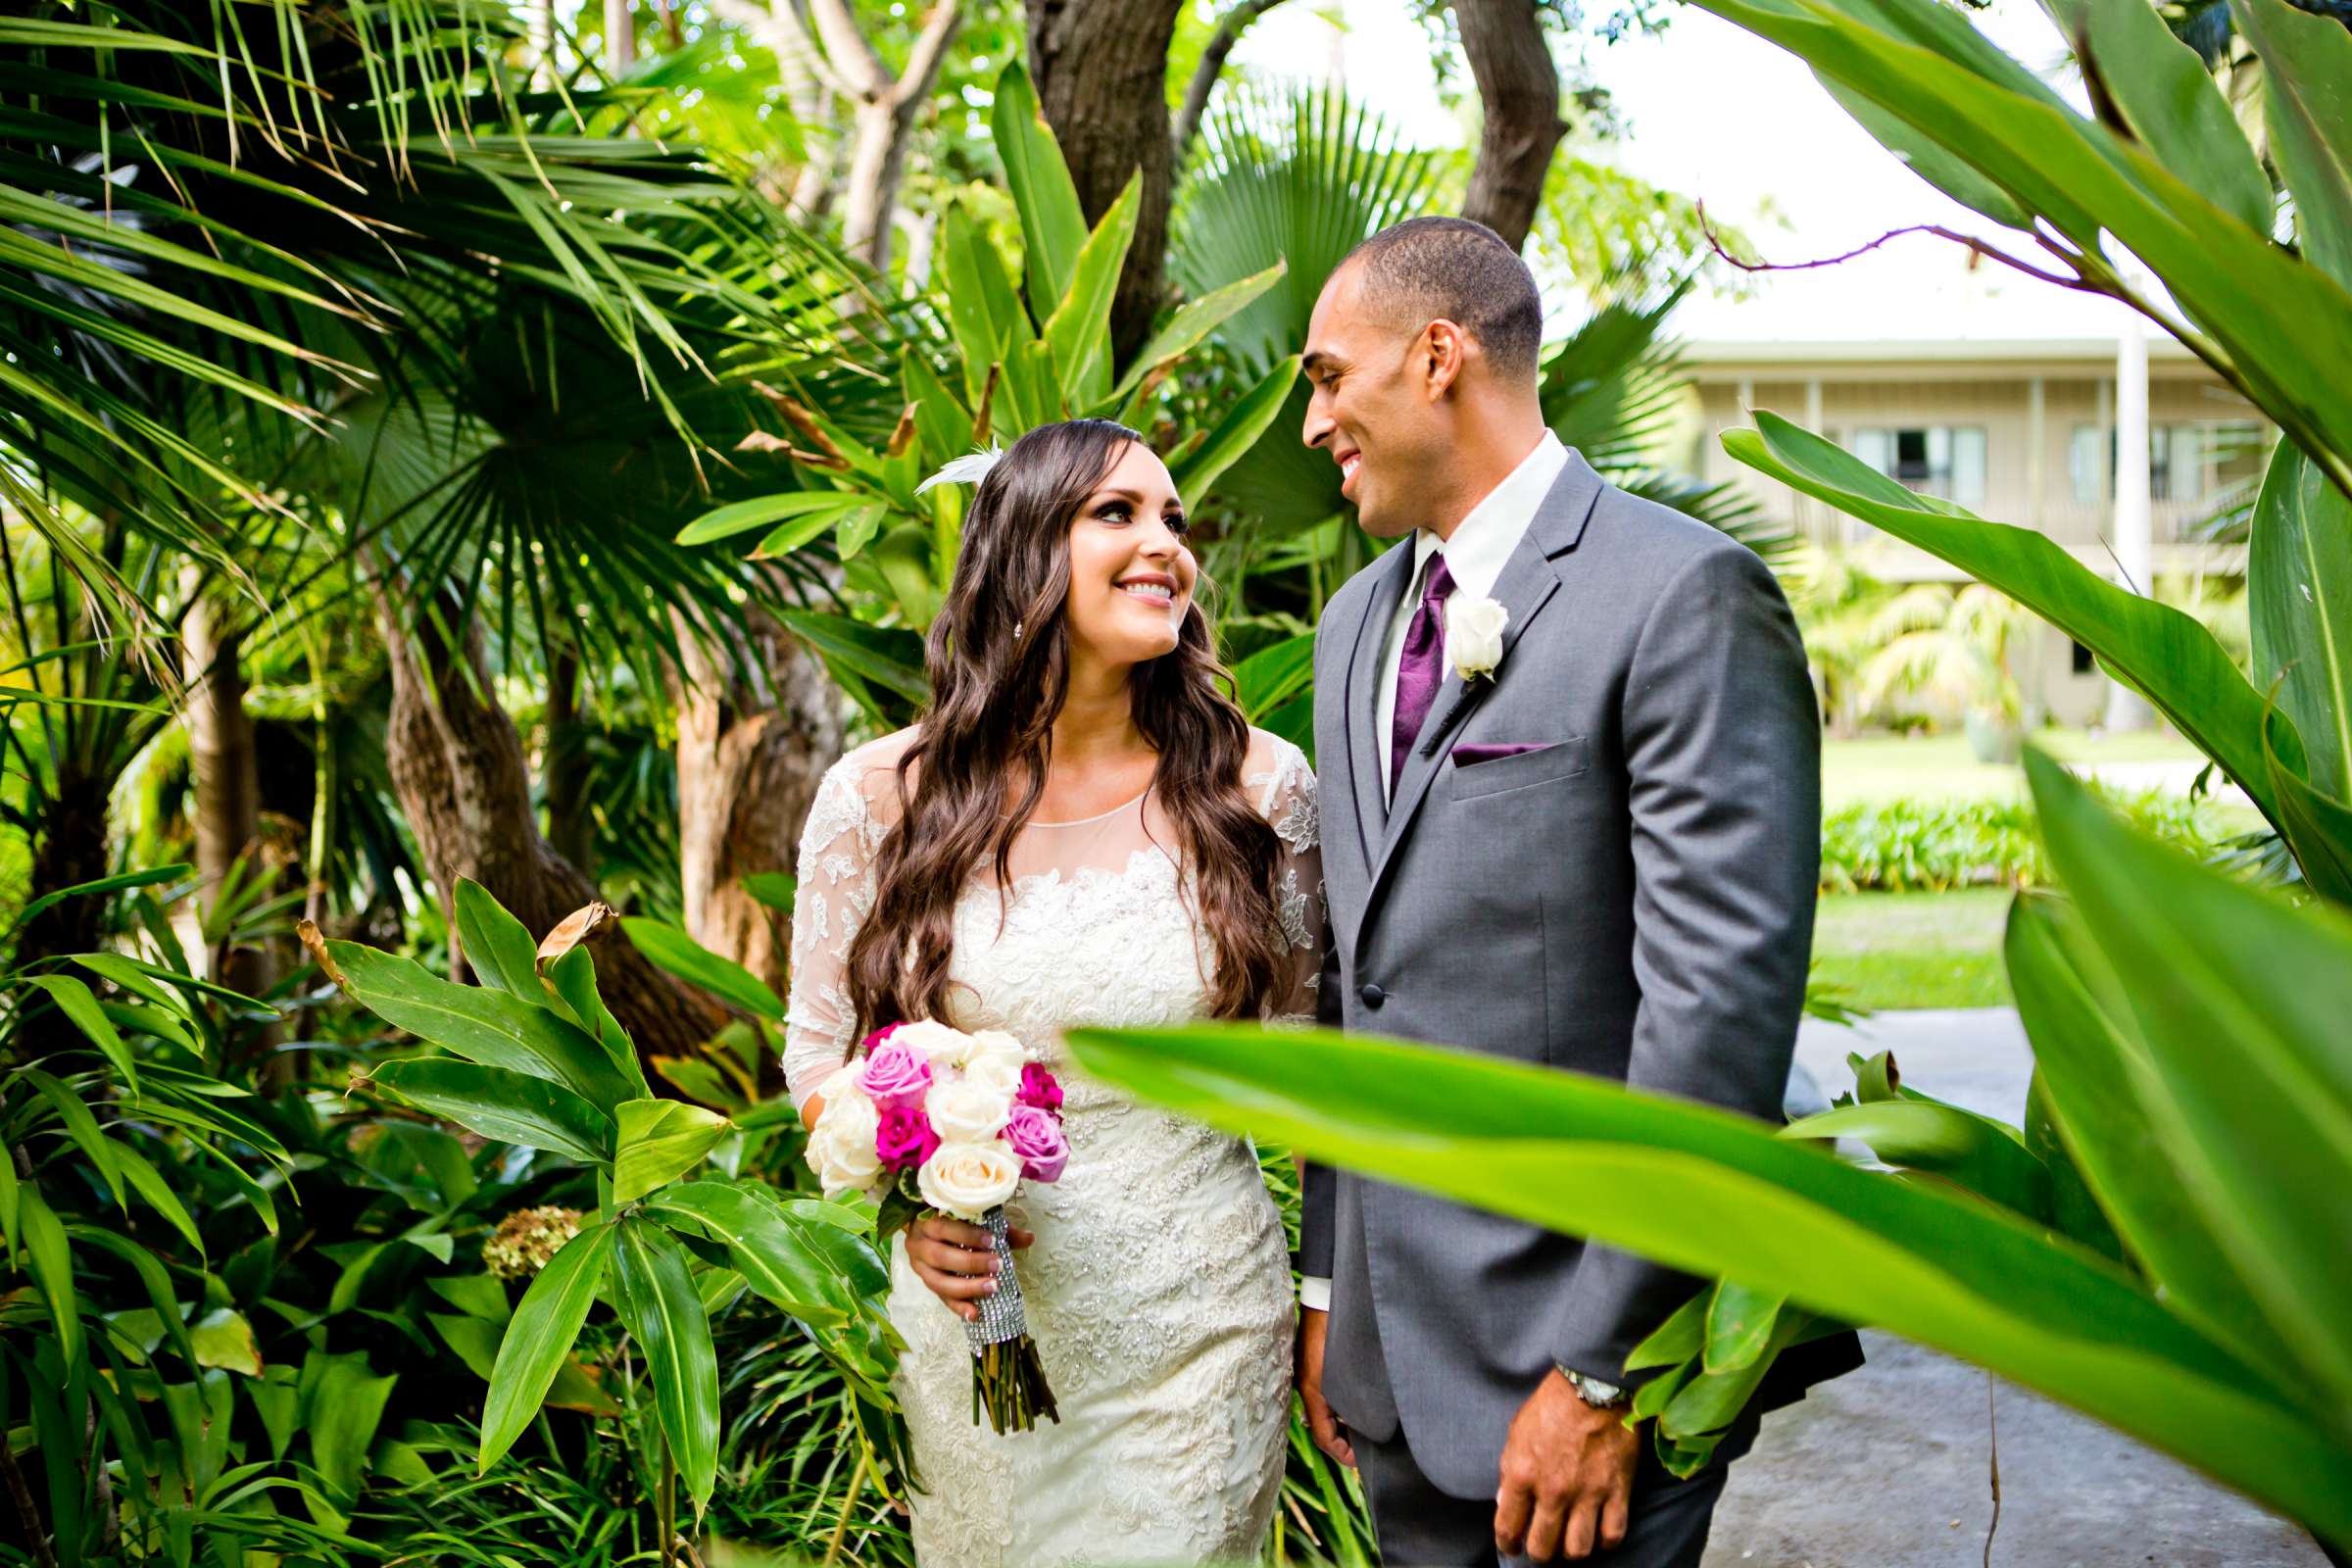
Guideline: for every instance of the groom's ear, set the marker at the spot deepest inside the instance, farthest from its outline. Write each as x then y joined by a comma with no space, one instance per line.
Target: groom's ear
1440,356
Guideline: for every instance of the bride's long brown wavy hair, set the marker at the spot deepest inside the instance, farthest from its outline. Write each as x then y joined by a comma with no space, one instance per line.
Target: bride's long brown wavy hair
998,657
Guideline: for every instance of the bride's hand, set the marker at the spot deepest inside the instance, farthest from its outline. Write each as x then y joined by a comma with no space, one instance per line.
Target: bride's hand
956,1261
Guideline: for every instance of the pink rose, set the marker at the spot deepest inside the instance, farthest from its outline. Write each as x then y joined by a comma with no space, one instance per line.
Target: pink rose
896,1076
905,1139
1036,1139
1038,1089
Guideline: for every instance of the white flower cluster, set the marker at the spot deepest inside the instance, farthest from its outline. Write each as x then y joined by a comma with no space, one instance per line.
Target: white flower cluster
970,1099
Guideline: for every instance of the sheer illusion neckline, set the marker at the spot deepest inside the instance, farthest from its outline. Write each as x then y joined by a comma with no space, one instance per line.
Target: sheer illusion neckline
1100,816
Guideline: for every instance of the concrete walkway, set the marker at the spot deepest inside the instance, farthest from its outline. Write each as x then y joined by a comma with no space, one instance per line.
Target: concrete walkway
1887,1468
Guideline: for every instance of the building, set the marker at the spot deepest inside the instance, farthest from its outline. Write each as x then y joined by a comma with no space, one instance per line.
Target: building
2019,431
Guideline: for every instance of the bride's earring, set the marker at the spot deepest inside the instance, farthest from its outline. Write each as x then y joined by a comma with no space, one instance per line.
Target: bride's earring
1017,627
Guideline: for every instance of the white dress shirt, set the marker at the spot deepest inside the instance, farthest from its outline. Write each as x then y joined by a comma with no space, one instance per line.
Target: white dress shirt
1482,544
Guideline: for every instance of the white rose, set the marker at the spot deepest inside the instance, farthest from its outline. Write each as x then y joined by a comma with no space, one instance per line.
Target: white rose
969,1179
946,1047
996,1064
1474,635
964,1110
847,1083
841,1151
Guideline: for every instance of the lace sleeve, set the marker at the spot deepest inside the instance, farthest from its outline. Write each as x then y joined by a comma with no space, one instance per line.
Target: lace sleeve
1287,802
836,891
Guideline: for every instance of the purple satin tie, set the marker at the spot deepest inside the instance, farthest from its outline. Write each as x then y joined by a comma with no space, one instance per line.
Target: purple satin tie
1422,668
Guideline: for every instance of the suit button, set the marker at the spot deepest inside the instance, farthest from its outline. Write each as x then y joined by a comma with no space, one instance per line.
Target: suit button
1373,995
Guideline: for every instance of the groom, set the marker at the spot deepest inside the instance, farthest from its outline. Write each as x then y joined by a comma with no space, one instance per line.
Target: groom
1596,854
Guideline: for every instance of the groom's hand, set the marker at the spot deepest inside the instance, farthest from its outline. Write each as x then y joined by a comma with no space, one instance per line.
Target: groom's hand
1321,1424
957,1262
1567,1477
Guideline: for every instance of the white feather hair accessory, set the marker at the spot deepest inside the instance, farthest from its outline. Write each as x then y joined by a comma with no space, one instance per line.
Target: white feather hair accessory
969,469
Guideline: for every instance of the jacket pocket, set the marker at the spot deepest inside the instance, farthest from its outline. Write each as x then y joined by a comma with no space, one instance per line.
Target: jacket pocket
1493,777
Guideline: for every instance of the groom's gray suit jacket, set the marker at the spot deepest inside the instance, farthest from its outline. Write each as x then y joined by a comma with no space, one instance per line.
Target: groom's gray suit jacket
1634,900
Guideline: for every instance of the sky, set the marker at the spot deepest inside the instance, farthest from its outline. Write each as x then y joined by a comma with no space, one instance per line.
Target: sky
1718,114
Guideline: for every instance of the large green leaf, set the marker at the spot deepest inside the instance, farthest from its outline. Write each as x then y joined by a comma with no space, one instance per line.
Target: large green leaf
2099,1093
81,1125
511,1106
1189,326
2299,588
2307,104
493,1027
1921,155
810,511
2169,102
1972,1151
2166,655
2284,326
984,313
497,944
661,1139
891,657
51,1261
1704,1191
78,1003
2317,826
1079,329
1198,471
1052,225
665,1318
1272,676
771,1249
540,1338
670,948
2241,1001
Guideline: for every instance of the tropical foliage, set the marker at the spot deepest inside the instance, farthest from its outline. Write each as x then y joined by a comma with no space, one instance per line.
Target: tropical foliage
2145,1246
1905,846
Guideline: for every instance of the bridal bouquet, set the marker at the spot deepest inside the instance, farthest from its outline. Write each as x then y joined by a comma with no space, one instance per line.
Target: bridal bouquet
929,1119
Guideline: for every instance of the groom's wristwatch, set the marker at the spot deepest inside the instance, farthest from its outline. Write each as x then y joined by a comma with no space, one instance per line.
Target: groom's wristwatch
1595,1393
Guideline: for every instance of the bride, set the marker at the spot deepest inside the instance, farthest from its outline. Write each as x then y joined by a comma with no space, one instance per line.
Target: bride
1080,829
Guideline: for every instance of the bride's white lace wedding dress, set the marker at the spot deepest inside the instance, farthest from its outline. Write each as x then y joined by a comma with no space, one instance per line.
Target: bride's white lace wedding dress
1158,1290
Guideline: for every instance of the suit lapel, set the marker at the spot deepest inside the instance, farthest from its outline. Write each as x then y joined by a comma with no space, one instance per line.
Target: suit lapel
1364,696
1529,579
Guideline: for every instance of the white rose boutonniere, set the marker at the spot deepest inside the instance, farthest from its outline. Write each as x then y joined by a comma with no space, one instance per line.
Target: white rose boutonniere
1474,627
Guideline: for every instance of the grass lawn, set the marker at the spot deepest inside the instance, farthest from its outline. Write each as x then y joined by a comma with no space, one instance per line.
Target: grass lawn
1885,950
1941,768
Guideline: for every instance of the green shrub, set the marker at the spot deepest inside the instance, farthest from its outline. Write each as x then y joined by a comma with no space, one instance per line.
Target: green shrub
1934,846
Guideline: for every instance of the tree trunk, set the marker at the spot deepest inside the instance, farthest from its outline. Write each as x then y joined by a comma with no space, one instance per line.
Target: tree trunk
457,765
1519,88
564,779
620,36
71,850
544,72
820,41
748,763
226,772
1102,80
877,158
220,756
1229,28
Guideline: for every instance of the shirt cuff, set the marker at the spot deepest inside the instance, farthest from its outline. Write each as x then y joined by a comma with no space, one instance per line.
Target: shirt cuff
1314,1293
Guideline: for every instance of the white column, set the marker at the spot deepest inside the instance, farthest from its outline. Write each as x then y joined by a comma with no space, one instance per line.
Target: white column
2127,709
1813,519
2037,440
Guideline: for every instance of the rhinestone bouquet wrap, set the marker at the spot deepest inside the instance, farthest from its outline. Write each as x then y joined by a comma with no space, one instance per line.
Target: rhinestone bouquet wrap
930,1120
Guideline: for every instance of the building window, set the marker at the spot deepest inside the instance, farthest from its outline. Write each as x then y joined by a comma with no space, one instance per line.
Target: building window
1936,459
2083,662
2186,462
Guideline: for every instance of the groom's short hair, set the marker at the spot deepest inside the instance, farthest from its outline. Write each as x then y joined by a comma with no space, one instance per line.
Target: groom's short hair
1425,269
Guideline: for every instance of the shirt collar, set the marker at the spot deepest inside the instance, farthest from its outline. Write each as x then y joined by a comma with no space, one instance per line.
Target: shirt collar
1483,542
